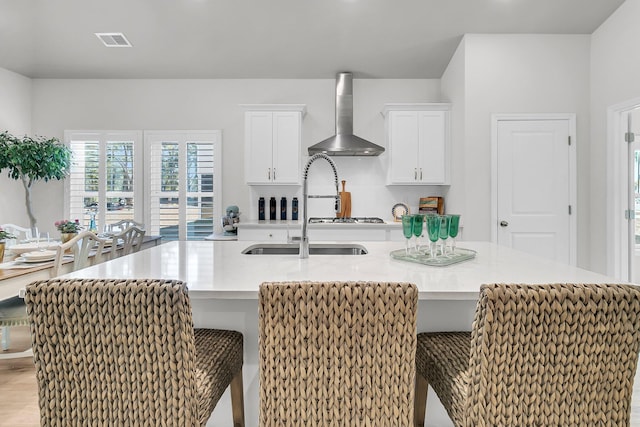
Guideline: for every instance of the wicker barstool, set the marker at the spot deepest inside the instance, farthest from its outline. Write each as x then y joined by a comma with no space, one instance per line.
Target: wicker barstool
337,354
124,353
552,355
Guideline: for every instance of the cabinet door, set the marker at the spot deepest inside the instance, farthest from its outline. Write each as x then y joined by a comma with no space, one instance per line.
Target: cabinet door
258,147
432,147
286,147
403,144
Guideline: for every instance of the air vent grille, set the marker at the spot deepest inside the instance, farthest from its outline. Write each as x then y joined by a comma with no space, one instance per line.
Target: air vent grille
113,39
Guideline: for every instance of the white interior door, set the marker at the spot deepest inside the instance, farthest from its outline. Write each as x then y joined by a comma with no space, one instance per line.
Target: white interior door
535,169
632,213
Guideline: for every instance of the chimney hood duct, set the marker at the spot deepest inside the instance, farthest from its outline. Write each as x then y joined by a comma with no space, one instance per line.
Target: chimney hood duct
344,142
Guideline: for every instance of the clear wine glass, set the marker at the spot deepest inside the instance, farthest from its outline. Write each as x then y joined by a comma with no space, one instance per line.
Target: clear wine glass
407,229
35,233
445,220
433,231
418,221
453,230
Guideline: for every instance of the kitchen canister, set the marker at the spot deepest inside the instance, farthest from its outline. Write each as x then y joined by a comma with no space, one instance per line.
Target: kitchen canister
272,209
283,209
294,209
261,209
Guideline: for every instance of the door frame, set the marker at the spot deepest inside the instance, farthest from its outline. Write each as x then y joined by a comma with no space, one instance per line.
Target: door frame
617,191
573,223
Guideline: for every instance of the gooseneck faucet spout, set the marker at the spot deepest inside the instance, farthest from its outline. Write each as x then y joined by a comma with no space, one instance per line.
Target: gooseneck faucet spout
304,240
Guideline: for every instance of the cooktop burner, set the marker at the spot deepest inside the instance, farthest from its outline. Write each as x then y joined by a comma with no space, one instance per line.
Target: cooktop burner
353,220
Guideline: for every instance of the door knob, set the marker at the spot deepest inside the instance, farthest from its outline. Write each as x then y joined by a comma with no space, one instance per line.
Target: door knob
503,223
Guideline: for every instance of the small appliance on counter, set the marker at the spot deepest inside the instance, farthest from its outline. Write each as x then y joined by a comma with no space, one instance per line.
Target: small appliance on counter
230,221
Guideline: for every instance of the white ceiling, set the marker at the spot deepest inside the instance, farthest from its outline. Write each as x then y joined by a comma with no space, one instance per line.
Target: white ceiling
267,38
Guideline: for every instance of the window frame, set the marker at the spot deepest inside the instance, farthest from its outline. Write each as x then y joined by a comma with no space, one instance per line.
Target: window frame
104,136
142,140
182,137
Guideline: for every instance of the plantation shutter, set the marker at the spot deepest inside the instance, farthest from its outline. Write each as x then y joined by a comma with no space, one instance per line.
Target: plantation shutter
183,184
83,178
105,181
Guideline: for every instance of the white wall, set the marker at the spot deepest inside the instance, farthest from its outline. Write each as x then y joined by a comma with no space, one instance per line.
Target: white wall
15,117
615,78
453,87
214,104
522,74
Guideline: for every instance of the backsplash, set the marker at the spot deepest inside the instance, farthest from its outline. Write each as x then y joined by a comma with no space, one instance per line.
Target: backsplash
366,180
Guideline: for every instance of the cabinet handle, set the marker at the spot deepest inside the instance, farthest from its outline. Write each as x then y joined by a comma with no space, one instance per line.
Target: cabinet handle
420,174
274,174
415,174
269,174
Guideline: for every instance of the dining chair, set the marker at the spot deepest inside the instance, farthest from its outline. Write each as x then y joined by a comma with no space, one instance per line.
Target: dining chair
126,242
125,352
21,233
336,353
12,313
123,224
86,248
556,354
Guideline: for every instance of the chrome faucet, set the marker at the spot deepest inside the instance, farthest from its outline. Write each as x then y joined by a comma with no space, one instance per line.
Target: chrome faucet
304,240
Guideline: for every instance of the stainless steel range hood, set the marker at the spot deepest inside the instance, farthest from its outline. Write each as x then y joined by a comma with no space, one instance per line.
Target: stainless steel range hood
344,142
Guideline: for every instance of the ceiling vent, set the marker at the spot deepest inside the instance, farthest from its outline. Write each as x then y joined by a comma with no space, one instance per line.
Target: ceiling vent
113,39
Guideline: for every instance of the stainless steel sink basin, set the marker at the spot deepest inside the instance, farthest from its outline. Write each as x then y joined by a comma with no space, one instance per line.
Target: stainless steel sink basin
314,249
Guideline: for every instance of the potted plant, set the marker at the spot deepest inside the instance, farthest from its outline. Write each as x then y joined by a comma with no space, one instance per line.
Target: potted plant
68,229
33,159
4,235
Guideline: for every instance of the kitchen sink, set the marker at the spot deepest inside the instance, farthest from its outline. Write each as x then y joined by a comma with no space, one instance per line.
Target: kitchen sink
314,249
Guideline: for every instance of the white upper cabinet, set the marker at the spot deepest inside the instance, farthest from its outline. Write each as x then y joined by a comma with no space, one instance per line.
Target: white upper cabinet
419,143
273,136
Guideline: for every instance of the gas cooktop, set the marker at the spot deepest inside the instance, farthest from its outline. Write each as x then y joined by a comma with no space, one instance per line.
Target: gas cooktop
353,220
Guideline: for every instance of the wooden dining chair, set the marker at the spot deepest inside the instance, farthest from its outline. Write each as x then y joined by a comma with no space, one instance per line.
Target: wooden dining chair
126,242
125,352
560,354
337,353
86,248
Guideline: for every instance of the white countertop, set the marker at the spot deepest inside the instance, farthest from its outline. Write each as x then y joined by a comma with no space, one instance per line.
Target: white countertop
218,270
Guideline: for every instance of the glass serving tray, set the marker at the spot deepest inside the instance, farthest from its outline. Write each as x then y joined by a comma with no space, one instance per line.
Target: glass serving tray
460,255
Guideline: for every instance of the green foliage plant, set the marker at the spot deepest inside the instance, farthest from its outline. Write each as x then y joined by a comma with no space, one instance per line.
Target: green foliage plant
33,159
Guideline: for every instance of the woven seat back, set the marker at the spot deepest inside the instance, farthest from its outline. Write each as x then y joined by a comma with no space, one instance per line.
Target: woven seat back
337,354
113,352
561,355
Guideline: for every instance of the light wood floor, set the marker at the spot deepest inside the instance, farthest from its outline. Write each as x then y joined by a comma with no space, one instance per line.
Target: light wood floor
18,390
19,393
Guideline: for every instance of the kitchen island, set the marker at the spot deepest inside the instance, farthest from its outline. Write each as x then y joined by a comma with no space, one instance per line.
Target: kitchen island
223,287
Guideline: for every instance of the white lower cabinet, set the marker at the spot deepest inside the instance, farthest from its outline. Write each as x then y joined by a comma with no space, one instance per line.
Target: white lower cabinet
263,234
283,232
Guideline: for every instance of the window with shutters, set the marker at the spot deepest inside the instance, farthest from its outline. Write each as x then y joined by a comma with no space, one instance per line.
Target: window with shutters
105,182
184,178
175,194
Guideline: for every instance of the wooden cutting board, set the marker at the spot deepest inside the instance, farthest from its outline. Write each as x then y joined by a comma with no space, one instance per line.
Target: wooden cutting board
345,202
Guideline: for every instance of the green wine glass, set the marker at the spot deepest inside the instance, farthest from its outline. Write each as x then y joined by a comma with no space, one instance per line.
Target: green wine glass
433,231
445,220
407,229
418,221
453,230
